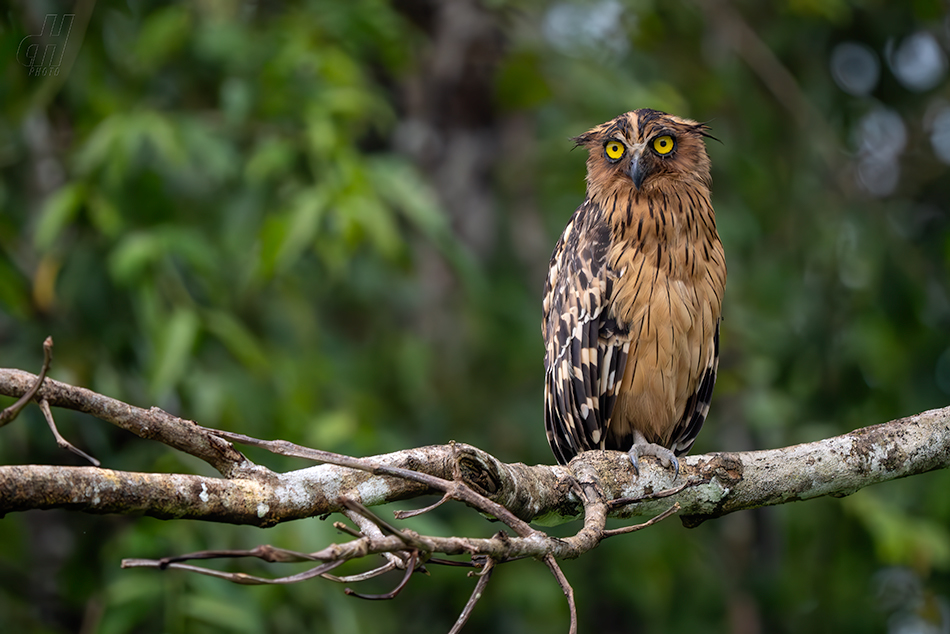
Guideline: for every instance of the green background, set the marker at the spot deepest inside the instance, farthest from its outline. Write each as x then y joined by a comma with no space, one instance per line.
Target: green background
329,222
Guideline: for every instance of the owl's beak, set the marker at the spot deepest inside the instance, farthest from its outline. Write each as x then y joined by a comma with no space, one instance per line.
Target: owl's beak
636,170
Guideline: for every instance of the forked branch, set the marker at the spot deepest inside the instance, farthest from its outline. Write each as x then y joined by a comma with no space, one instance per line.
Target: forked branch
595,486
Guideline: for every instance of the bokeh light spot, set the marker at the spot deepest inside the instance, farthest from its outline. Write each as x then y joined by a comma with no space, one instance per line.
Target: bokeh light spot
855,68
918,61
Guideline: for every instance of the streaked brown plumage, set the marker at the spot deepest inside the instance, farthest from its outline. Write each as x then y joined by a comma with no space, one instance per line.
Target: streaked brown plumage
634,295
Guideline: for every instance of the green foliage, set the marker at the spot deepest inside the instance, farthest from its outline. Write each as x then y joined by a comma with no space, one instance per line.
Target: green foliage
222,210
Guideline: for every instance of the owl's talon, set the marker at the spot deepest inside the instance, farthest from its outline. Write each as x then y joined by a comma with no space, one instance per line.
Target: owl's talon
666,457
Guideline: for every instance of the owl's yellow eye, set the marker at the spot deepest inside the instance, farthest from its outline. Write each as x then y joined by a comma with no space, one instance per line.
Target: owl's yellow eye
663,144
614,150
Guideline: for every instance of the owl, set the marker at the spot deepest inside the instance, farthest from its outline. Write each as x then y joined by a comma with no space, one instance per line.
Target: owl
633,296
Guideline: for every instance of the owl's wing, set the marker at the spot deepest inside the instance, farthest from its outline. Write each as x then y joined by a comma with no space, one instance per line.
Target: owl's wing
585,352
697,407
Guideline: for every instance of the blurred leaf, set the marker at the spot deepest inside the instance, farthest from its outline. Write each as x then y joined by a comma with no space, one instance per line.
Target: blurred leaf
330,429
307,210
162,36
402,187
124,141
273,156
59,211
173,349
211,154
100,144
918,542
136,252
14,293
223,612
105,215
521,85
236,338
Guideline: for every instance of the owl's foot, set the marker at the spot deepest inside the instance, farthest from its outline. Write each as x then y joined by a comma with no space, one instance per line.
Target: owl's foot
641,447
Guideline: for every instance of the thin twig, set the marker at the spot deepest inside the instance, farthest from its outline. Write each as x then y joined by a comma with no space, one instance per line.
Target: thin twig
617,503
340,526
363,576
630,529
263,552
460,564
383,525
565,587
477,593
235,577
413,558
11,412
62,442
401,515
366,522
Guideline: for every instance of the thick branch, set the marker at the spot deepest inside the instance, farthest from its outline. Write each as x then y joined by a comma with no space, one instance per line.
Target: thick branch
153,423
719,483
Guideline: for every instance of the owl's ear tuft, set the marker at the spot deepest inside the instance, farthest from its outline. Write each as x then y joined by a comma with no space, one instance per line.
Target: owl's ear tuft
583,140
703,130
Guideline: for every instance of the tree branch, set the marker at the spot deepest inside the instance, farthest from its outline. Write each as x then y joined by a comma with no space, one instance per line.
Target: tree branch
152,424
595,485
717,483
11,412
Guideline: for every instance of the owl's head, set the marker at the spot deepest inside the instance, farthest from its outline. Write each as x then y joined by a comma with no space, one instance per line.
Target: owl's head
643,150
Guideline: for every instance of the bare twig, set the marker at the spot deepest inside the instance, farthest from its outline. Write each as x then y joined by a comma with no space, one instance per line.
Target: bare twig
234,577
370,526
458,564
11,412
483,577
340,526
565,587
617,503
62,442
363,576
410,568
631,529
265,552
401,515
382,524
